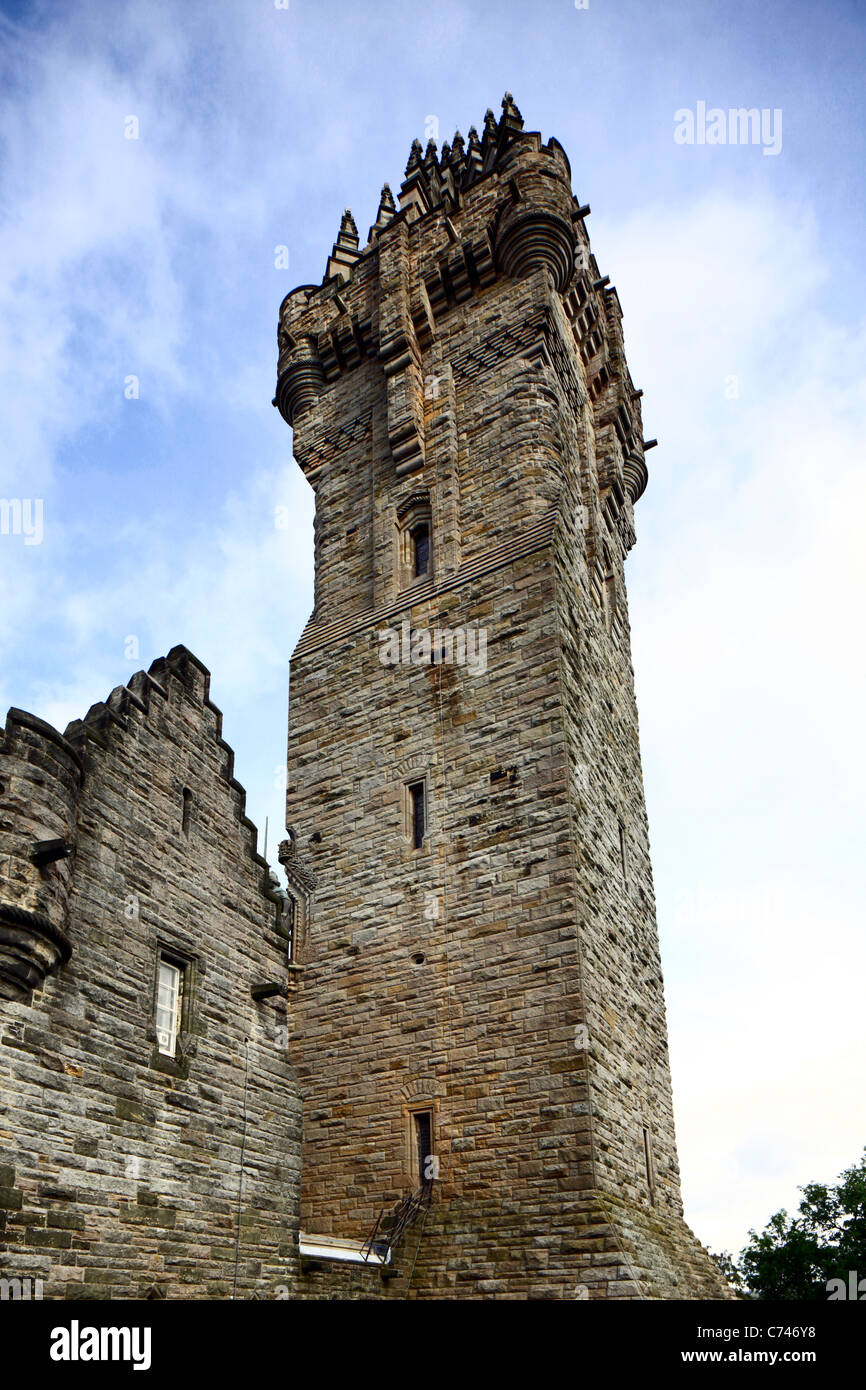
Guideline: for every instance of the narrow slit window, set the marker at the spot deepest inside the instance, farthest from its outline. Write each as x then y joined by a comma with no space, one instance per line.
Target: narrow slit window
187,810
289,920
610,595
417,813
422,1137
420,549
610,598
169,995
648,1160
622,858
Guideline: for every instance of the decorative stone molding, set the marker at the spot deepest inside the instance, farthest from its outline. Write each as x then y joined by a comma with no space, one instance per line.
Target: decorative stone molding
635,476
31,947
531,236
298,387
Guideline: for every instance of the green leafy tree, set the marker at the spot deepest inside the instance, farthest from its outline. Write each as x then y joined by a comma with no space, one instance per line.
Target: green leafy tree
729,1269
796,1257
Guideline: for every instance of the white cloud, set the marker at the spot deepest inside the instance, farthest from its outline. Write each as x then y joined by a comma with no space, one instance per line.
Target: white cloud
746,606
155,258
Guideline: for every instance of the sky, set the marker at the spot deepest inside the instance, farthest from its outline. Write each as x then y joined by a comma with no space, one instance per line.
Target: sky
153,160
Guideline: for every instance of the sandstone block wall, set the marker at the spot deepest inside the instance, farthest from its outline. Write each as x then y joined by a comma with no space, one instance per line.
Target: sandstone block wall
469,361
120,1169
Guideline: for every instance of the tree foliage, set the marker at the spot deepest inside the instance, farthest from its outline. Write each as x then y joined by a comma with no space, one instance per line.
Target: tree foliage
795,1257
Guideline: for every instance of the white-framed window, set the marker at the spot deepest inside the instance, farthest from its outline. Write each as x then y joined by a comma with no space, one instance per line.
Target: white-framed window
169,997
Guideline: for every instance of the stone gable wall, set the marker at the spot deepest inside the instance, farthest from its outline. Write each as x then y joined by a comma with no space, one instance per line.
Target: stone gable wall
121,1168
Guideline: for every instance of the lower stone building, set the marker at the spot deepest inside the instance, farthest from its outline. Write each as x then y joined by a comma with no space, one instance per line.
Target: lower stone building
150,1121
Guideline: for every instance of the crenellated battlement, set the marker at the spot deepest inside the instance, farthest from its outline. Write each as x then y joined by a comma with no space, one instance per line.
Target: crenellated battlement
478,284
501,202
495,205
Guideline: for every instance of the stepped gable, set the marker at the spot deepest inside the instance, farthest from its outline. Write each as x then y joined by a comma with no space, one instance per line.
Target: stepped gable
128,864
42,775
125,702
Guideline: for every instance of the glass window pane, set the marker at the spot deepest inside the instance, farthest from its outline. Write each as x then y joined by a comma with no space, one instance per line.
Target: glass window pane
167,1007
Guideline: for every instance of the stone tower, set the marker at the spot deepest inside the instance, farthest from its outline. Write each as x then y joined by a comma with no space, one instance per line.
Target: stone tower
477,992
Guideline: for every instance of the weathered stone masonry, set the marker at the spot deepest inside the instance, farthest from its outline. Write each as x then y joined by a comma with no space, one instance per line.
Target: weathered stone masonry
462,407
120,1167
467,367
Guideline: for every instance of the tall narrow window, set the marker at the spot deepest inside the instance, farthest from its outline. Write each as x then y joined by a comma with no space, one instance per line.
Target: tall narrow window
289,917
422,1136
417,813
610,616
420,537
169,993
187,810
648,1160
415,558
622,858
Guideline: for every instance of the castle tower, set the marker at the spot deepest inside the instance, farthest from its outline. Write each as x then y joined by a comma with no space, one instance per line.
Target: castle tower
478,991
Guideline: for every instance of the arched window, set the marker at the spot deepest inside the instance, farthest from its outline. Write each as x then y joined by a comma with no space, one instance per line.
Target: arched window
414,540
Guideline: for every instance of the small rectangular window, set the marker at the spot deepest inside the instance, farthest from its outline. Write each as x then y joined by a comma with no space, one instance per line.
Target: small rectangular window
622,858
169,994
417,813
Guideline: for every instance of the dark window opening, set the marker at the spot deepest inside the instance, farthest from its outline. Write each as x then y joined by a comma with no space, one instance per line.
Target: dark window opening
622,859
610,597
418,813
648,1160
289,926
422,1125
187,809
420,549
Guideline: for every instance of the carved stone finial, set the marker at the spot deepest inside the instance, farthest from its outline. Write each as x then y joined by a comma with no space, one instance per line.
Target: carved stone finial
511,118
348,235
345,251
416,158
387,209
474,156
415,190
